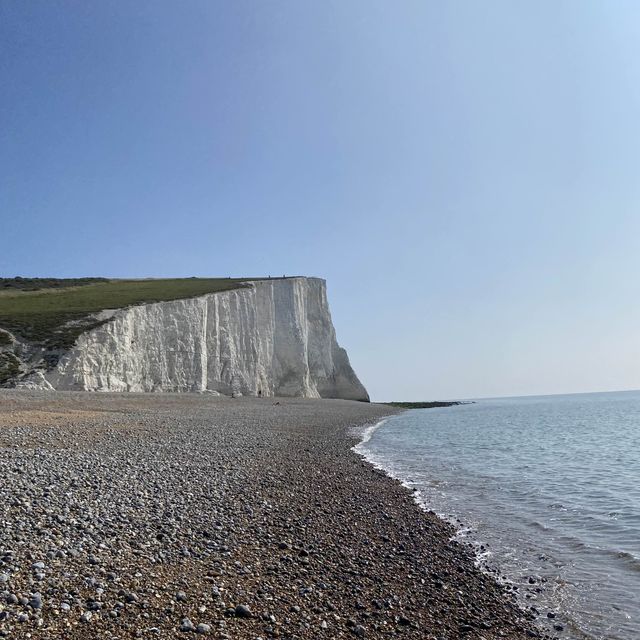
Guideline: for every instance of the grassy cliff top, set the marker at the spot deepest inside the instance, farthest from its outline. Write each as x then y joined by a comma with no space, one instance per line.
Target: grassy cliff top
53,312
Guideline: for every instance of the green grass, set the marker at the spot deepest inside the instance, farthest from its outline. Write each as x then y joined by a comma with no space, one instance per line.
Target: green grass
41,316
33,284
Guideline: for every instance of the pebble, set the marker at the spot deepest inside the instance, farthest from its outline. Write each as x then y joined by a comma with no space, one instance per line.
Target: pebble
186,625
36,601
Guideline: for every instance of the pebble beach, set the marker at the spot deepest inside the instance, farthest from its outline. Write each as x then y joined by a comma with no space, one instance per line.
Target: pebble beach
176,515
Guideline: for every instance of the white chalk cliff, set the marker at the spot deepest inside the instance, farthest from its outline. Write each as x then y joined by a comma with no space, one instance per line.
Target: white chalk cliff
271,338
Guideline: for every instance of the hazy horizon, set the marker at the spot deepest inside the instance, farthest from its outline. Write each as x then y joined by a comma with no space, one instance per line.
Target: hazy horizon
535,395
463,175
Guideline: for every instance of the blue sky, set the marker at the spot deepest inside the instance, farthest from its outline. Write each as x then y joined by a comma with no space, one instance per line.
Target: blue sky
465,175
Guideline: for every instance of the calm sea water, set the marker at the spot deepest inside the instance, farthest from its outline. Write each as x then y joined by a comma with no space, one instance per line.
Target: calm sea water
549,485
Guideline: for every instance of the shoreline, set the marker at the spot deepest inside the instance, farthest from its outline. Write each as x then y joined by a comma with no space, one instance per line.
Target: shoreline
460,531
157,513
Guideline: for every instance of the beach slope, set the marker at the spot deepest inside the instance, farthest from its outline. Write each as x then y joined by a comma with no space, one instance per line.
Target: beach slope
147,516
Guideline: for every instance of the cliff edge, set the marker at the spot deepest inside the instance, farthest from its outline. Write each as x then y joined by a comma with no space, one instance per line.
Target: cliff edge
272,337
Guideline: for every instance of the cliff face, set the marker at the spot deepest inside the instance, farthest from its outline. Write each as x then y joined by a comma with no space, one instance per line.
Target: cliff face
274,338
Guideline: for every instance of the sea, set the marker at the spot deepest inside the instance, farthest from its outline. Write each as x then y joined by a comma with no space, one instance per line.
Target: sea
547,490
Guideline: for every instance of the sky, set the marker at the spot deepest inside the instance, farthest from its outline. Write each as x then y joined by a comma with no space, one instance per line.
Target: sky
465,175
